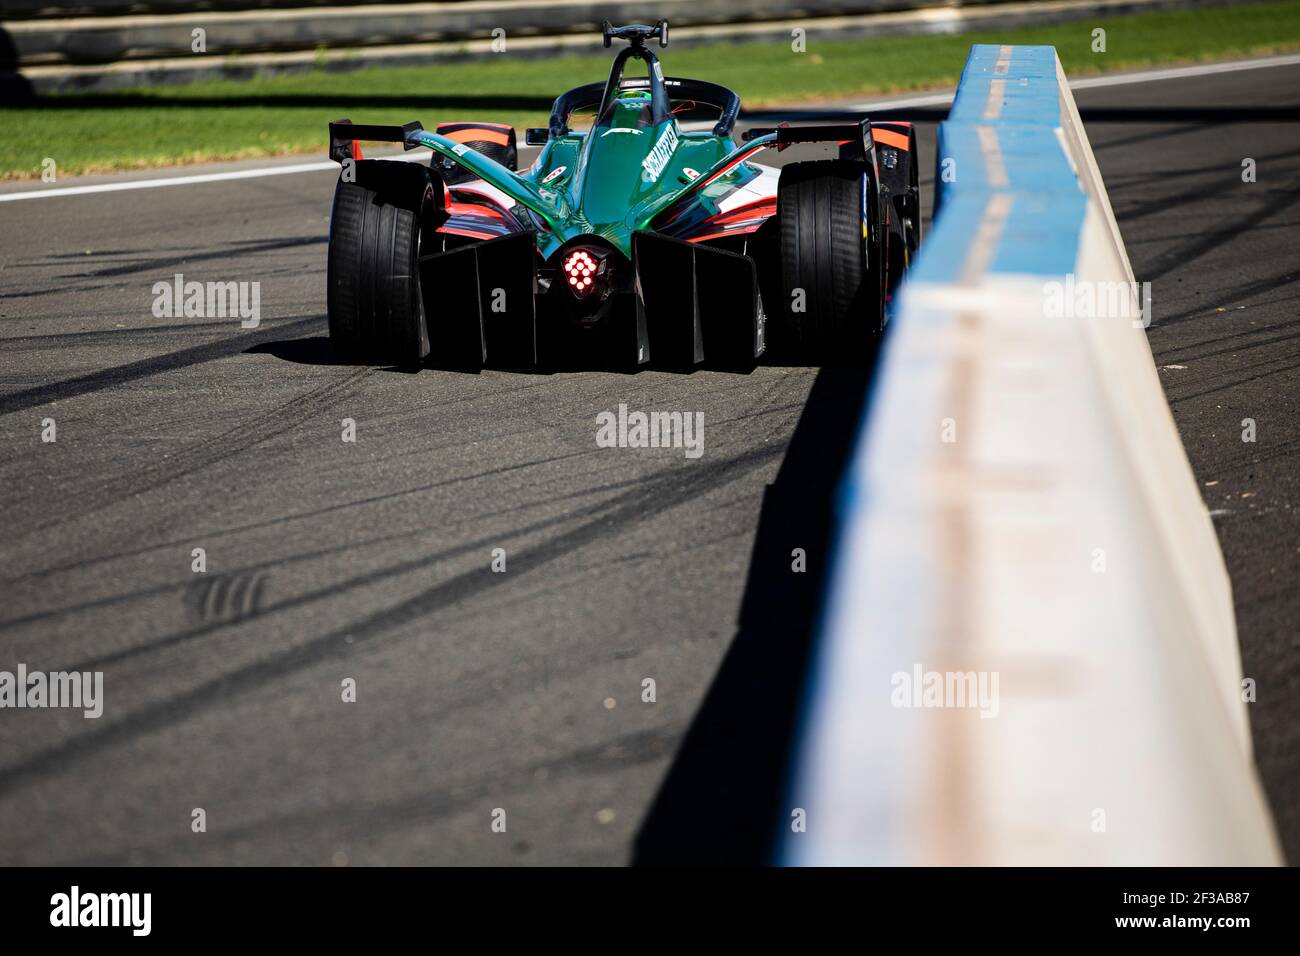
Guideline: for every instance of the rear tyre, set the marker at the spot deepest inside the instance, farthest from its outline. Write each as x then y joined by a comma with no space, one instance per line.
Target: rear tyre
833,282
377,226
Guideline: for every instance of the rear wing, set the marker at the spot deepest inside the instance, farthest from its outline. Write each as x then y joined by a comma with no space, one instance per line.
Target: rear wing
854,138
344,134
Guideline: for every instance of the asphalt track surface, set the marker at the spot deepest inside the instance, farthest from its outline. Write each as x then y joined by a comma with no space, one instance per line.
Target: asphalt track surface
520,690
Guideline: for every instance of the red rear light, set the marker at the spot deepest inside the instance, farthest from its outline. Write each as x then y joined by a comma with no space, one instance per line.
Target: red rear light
581,266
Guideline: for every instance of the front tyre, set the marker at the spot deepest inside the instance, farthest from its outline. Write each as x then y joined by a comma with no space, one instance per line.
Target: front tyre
833,284
377,225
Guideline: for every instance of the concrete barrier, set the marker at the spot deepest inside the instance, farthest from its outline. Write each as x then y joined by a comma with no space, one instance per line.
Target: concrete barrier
1028,654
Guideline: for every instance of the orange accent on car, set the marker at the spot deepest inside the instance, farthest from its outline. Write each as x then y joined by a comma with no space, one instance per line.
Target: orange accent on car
474,123
890,138
476,135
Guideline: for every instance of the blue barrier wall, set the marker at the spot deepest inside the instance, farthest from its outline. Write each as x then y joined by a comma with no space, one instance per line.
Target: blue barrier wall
1000,137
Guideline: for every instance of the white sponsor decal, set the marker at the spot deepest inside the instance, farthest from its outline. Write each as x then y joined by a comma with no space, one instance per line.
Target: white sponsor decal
654,163
555,174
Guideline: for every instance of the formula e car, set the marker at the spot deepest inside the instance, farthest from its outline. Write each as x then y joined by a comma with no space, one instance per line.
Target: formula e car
661,242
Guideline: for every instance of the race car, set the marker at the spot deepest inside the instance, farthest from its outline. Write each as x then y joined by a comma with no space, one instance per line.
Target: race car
633,229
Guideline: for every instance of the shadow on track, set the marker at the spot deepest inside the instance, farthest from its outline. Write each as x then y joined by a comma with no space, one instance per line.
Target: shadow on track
117,375
314,350
721,800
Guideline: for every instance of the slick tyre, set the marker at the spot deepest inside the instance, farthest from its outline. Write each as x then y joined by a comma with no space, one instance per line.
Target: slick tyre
377,226
833,281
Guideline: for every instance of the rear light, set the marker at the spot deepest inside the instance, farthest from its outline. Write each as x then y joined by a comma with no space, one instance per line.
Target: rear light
581,268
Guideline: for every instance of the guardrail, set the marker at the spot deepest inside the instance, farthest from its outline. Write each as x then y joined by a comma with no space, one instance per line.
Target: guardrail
1028,655
288,27
123,44
752,9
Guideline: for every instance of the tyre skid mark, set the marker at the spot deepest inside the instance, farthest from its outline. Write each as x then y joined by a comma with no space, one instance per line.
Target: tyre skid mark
282,519
653,498
208,451
154,365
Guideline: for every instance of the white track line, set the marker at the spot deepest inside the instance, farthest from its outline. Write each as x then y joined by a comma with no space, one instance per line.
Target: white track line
926,99
1178,72
1118,79
170,181
255,173
932,99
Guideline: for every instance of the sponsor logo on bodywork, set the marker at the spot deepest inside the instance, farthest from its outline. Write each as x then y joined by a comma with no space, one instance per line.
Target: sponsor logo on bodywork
653,165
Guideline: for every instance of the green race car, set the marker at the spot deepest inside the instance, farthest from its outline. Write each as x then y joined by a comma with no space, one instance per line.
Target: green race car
654,240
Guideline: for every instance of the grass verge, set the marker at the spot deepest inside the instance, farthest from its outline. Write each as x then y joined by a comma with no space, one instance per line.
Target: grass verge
287,114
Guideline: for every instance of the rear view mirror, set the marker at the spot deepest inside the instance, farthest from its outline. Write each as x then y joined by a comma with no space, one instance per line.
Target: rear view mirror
536,135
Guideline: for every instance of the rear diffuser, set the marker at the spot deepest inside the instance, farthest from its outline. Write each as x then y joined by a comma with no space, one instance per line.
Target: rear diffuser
480,305
695,300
